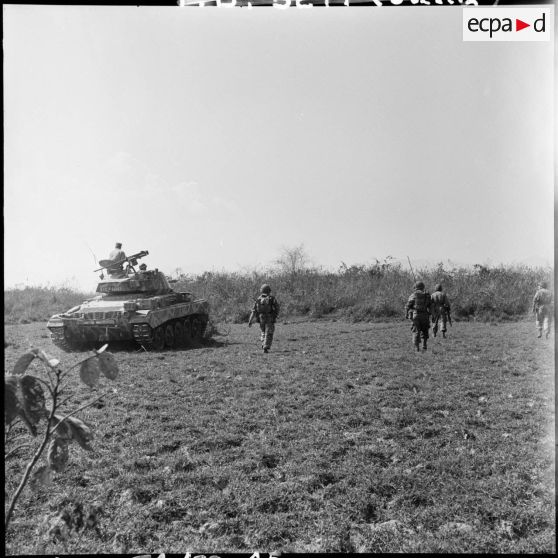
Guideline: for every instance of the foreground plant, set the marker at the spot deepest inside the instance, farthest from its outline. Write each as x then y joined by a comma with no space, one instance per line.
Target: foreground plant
30,400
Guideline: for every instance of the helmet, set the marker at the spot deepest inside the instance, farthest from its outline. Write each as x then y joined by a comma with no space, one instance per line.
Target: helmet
266,289
438,287
119,245
543,285
419,286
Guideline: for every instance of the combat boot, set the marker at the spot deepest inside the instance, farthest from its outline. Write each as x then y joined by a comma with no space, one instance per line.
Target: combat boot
539,335
418,348
424,347
444,334
266,350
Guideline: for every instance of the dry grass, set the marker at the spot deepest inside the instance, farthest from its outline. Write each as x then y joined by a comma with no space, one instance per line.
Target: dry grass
341,439
379,291
355,293
32,304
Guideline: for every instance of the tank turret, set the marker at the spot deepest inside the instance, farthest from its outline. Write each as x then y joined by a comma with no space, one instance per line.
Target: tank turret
148,282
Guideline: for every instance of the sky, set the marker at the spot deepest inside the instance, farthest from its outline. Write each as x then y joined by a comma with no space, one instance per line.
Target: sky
218,138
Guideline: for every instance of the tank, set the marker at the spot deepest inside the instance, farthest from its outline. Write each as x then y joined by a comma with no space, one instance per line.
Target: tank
132,305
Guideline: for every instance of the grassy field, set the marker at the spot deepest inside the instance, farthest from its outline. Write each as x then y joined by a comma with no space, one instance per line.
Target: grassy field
341,439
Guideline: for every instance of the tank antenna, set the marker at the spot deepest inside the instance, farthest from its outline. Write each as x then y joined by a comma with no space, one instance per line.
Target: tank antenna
92,253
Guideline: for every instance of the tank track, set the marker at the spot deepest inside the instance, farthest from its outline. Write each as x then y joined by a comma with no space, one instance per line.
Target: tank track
144,336
147,345
59,338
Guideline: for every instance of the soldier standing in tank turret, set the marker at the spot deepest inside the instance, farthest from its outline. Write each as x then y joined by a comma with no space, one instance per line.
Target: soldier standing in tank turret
542,308
418,310
117,255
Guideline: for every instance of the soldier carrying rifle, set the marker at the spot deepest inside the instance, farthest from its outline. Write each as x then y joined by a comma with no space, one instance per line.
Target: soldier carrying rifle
542,308
418,310
265,312
441,310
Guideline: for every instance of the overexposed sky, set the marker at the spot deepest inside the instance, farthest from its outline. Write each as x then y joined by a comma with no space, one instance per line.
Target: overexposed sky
214,138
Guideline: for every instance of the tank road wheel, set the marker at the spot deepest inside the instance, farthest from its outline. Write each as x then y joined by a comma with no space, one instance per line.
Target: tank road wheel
169,336
158,339
179,334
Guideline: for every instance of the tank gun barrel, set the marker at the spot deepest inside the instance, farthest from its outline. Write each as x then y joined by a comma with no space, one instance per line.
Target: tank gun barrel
131,260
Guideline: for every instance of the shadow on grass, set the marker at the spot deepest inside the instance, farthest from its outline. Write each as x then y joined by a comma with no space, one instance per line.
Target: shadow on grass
218,344
133,347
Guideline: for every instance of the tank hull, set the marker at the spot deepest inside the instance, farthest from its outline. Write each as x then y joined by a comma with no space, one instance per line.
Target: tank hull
146,321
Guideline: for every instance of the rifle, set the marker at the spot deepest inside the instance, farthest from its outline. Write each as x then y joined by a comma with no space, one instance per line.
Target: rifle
253,318
130,260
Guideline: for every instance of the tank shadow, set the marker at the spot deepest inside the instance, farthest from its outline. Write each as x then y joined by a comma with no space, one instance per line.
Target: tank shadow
133,347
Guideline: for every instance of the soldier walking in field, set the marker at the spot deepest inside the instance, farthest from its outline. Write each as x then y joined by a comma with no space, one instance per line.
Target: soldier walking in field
265,312
418,310
542,308
440,309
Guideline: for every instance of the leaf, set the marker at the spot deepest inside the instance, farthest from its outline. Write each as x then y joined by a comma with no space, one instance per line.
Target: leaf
63,431
57,455
108,366
23,363
12,406
90,371
33,398
81,433
41,477
31,427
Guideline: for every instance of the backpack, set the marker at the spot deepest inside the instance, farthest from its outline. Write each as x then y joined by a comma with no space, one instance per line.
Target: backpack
439,300
544,297
422,301
264,304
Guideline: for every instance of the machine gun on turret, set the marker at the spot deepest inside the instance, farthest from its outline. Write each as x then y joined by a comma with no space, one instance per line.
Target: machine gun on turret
116,267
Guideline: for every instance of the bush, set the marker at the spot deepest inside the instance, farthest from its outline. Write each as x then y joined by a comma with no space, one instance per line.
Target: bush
28,407
33,304
377,291
356,292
